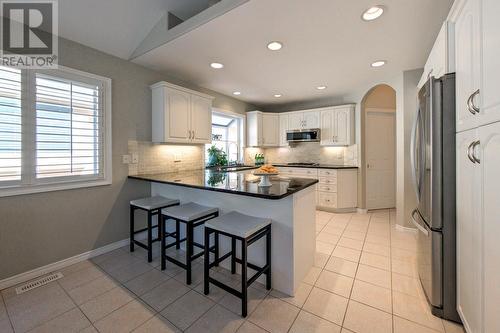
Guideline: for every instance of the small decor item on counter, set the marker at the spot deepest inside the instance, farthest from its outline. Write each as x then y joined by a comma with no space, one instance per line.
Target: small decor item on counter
216,157
265,172
259,159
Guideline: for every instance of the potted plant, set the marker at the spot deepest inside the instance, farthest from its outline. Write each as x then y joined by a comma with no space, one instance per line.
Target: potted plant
216,157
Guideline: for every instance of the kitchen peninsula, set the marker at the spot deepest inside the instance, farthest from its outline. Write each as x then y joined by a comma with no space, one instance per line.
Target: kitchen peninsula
289,202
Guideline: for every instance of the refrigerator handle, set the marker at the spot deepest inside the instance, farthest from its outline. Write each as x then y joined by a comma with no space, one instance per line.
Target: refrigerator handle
417,224
413,153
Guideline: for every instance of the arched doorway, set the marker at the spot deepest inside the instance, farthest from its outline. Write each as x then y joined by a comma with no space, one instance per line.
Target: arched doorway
378,148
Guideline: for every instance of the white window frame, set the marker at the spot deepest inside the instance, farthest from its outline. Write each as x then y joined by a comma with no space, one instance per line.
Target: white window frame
29,183
241,132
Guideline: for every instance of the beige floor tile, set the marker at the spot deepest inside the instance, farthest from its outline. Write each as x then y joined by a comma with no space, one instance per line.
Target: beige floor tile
375,260
354,235
408,268
80,277
126,259
405,326
108,255
404,255
323,247
377,249
71,321
345,330
128,272
106,303
37,306
248,327
90,329
274,315
187,309
300,297
361,318
92,289
372,295
126,318
328,238
333,229
157,324
326,305
217,294
346,253
351,243
407,285
451,327
378,240
164,294
77,267
374,276
5,326
145,282
416,310
320,259
342,266
217,320
233,303
309,323
335,283
312,275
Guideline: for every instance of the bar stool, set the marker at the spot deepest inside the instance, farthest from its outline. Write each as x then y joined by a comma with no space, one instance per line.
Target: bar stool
153,206
192,215
247,229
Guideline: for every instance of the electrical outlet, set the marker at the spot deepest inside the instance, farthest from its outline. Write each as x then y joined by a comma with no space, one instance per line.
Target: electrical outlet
126,159
135,158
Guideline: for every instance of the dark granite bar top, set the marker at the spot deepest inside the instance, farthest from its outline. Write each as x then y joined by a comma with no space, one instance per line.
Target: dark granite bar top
240,183
316,166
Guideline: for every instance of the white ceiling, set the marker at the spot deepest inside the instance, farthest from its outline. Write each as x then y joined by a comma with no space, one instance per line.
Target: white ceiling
118,26
325,43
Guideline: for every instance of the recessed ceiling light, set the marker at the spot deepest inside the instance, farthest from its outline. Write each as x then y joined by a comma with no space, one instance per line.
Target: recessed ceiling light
216,65
321,87
378,63
237,93
274,46
277,95
372,13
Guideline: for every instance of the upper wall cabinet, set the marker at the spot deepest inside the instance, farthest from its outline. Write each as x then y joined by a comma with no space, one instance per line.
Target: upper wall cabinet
284,117
303,120
262,129
180,115
337,126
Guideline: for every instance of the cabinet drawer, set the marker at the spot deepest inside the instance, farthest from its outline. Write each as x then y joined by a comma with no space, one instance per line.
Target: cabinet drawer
299,172
327,187
327,173
327,199
327,180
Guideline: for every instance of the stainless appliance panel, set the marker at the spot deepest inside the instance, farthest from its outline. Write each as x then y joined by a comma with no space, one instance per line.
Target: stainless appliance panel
429,260
306,135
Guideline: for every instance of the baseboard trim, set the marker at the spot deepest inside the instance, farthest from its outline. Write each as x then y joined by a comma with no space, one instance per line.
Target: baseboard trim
362,211
34,273
405,229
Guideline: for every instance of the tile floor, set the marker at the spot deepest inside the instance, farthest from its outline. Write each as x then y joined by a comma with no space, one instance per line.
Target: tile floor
364,280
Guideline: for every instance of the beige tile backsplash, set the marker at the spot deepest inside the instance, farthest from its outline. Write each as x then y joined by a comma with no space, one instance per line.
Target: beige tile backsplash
161,158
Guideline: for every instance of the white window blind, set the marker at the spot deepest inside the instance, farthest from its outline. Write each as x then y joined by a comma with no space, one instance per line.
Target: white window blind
68,122
10,125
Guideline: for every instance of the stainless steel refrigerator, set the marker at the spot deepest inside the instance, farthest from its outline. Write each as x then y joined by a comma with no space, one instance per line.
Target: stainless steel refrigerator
433,169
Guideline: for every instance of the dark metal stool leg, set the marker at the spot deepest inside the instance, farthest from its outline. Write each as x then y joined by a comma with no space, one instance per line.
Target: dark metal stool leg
177,234
233,255
150,236
216,252
268,259
162,228
132,228
206,263
189,251
244,281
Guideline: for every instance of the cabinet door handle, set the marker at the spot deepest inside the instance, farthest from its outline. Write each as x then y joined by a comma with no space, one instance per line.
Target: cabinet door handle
469,152
474,145
470,103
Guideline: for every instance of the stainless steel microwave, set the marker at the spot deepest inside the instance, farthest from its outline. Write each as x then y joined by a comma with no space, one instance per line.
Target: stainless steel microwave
304,135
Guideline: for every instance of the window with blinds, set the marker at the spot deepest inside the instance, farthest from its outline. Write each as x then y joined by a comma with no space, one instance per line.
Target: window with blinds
55,130
68,119
10,125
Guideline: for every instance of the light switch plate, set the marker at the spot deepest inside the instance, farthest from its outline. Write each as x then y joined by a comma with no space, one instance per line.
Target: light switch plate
135,158
126,159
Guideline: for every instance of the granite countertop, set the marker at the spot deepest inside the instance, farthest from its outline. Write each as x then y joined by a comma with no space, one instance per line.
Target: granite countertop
316,166
240,183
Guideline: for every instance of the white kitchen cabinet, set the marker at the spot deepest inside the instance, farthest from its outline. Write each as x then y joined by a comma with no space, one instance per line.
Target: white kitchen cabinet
180,115
337,126
283,117
469,233
311,119
262,129
296,120
468,65
270,130
489,156
304,120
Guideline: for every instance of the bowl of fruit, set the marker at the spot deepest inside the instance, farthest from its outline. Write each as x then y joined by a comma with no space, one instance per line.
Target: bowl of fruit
265,172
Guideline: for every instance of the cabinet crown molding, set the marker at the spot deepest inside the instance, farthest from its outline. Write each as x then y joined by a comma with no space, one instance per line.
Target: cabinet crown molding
173,86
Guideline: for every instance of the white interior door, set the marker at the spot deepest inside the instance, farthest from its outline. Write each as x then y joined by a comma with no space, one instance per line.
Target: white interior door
380,150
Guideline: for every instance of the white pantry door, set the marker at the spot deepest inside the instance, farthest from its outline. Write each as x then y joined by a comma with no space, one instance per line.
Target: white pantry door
380,151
